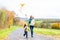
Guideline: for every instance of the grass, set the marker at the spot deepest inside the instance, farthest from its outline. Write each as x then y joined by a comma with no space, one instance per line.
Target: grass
47,31
5,32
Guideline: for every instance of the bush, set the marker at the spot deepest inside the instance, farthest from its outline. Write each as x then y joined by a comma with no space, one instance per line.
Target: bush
37,24
56,26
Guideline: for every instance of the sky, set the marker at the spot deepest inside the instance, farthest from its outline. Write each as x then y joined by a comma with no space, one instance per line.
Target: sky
36,8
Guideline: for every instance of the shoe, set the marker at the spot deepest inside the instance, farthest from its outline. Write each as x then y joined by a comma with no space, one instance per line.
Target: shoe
31,36
23,34
26,37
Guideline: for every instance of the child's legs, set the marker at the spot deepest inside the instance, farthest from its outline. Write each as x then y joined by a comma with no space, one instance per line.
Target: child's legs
26,33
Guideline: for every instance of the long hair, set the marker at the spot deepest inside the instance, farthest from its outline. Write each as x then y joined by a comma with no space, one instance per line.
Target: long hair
24,25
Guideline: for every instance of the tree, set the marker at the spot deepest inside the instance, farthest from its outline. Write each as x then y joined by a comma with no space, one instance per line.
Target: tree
6,18
2,18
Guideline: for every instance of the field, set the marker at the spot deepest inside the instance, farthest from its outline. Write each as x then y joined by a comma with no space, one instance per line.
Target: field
47,31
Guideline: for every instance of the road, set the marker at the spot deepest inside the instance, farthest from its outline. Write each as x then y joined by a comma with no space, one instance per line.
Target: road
18,35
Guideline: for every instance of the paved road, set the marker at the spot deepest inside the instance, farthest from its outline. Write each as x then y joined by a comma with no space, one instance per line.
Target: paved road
18,35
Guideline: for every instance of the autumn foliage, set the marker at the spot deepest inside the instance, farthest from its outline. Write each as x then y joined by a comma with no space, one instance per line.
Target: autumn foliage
56,25
6,18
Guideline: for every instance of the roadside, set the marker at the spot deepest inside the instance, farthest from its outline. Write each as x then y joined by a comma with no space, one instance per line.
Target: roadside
5,32
18,35
48,32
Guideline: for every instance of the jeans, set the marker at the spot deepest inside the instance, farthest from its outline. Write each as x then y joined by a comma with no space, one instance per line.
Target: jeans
26,33
31,28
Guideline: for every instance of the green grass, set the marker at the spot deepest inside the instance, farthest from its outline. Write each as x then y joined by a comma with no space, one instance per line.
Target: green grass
47,31
5,32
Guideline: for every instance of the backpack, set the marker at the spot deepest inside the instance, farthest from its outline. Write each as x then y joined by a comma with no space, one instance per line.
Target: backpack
30,20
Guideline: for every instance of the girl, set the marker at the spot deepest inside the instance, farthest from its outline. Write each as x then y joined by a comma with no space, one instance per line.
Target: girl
25,30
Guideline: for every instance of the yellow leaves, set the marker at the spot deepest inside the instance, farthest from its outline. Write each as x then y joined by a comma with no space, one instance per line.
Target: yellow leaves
10,19
56,25
7,16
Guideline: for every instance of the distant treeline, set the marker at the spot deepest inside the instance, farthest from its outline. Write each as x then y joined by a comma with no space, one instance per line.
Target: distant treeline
44,23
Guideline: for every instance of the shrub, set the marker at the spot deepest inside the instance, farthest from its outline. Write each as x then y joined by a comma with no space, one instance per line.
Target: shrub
56,26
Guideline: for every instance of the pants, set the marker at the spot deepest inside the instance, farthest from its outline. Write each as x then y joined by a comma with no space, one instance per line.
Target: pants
31,28
26,33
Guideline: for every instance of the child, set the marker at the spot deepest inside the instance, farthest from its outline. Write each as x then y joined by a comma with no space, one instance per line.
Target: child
25,30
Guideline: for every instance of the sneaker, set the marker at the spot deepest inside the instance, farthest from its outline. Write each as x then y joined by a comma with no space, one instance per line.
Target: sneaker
31,36
23,34
26,37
